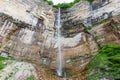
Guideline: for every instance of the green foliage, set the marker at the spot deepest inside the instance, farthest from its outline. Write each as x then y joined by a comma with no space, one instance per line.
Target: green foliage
31,78
65,5
98,37
102,21
90,1
2,62
86,29
106,63
49,2
10,75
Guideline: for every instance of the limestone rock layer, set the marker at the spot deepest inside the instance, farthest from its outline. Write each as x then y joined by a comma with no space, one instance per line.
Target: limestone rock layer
28,32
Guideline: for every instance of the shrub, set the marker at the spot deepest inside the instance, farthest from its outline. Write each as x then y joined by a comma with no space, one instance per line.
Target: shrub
2,64
106,63
65,5
31,78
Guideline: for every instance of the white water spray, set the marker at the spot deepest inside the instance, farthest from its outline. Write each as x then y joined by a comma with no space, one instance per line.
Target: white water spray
59,70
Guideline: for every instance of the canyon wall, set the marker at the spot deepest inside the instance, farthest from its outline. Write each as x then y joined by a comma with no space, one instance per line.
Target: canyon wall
23,25
90,13
28,31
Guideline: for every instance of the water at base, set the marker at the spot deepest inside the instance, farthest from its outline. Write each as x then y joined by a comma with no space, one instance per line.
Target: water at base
59,70
65,77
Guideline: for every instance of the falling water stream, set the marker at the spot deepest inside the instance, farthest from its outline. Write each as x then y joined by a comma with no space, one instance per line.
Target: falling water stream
59,70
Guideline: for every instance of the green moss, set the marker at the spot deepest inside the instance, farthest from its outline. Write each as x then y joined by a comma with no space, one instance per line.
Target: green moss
106,63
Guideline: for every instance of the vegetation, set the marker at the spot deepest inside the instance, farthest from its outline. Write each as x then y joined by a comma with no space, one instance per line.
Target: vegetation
31,78
98,37
65,5
102,21
5,61
106,63
86,29
10,75
2,62
49,2
90,1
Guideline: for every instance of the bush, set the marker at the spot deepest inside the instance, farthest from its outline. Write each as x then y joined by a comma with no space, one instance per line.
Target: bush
2,64
106,63
65,5
90,1
31,78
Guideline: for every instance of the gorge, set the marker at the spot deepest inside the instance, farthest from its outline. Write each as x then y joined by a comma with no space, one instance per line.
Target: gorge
41,42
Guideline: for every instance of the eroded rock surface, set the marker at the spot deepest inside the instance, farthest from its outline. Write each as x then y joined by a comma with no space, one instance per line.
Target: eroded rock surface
17,71
108,32
28,32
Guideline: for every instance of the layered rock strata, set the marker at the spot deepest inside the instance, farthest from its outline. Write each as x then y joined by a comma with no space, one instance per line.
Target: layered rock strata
28,31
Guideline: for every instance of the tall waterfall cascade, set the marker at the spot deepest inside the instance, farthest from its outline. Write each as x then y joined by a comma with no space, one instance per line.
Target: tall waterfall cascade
59,44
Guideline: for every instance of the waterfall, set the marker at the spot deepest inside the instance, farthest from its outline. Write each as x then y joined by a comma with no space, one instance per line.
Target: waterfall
58,25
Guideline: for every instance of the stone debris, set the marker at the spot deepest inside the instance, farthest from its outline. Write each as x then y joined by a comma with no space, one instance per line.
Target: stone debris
18,71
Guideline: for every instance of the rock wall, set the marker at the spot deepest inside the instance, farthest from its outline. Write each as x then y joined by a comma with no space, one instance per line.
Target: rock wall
28,31
16,37
34,35
108,32
90,14
24,27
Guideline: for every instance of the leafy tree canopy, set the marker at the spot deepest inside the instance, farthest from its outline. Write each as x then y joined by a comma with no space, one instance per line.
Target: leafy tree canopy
65,5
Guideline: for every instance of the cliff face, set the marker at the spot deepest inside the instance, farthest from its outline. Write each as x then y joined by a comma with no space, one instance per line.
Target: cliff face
31,32
22,26
109,32
28,31
86,17
90,14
